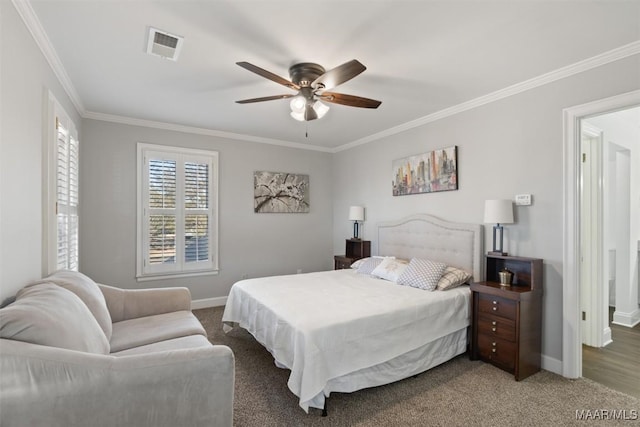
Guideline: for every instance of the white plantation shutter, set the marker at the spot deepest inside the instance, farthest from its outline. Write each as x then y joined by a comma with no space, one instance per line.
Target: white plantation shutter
177,210
197,212
67,157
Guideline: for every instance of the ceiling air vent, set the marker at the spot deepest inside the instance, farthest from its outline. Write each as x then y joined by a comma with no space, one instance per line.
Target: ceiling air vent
164,44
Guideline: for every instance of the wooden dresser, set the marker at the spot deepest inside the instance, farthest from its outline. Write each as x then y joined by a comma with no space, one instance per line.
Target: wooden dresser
354,250
507,320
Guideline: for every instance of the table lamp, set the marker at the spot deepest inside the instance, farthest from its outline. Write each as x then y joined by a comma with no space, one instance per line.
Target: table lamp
356,213
498,212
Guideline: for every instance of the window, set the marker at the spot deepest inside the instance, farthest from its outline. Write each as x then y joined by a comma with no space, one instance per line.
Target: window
177,211
61,191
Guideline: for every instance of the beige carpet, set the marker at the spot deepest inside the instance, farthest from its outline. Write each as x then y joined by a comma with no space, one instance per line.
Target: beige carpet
457,393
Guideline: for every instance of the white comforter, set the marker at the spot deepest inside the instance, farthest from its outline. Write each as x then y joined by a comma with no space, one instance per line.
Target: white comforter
328,324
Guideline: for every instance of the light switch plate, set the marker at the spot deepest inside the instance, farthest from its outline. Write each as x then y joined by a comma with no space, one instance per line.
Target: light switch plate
523,199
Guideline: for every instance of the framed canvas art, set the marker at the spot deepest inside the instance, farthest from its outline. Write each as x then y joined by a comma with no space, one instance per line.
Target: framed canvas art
434,171
280,192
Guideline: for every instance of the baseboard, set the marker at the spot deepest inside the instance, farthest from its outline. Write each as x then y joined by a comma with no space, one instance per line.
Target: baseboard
208,302
606,337
626,319
551,364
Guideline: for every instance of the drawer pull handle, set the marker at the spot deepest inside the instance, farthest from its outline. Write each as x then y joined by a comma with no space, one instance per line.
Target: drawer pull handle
493,350
493,323
495,302
495,308
493,344
493,329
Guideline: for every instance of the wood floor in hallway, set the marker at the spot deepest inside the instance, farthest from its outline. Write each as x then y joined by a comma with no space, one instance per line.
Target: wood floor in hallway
617,365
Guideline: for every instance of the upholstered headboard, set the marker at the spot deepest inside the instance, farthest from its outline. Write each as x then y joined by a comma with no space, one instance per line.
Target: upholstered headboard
424,236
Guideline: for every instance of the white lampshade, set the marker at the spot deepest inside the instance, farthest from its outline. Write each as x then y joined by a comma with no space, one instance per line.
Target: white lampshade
298,104
498,211
356,213
320,108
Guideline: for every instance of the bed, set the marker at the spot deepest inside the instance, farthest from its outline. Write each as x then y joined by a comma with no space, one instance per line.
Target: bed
343,331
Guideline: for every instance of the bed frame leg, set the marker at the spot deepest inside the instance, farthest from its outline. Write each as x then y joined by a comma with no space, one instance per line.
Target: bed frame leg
324,410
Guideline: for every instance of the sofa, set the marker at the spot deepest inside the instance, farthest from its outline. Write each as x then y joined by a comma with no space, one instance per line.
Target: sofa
77,353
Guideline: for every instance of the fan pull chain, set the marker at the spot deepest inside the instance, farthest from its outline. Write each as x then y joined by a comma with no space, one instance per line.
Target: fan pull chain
306,129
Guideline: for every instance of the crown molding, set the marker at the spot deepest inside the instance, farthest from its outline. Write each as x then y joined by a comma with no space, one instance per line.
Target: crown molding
28,15
561,73
32,22
200,131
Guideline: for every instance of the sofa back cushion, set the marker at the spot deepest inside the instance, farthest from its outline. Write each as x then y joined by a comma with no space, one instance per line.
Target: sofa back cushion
47,314
89,292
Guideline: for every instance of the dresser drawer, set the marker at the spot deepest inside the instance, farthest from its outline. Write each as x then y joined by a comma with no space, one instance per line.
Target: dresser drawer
497,351
495,305
495,326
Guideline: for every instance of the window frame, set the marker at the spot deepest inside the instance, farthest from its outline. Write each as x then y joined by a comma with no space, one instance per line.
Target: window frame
146,271
57,116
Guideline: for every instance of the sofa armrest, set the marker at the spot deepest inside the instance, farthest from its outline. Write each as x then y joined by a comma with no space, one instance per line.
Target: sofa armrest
46,386
124,304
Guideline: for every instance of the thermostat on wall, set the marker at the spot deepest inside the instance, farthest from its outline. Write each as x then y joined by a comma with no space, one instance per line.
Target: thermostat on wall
523,199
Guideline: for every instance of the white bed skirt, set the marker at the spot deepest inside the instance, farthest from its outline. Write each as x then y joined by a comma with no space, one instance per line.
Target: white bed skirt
419,360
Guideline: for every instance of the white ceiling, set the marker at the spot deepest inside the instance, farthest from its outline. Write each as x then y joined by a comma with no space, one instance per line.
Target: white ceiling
422,57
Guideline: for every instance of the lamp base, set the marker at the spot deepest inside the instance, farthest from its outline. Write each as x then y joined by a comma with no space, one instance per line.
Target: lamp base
355,231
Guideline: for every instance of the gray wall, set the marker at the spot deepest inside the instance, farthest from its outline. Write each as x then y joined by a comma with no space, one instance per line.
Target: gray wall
249,243
508,147
25,79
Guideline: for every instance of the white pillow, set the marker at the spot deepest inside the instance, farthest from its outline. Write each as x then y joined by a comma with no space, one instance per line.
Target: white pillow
369,264
390,269
422,274
47,314
357,263
453,277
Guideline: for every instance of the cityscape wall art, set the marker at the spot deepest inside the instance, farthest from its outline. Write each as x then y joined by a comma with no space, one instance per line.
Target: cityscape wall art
434,171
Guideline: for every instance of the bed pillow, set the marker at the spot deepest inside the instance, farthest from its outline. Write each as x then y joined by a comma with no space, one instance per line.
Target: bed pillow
422,274
357,263
369,264
390,269
453,277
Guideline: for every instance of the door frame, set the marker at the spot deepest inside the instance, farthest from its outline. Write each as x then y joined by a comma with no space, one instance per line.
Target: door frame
572,337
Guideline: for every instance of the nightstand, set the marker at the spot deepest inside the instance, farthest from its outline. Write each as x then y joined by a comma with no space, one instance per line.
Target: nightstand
507,320
354,250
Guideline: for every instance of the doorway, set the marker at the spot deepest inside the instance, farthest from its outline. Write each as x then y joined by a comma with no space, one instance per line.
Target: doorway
610,232
572,224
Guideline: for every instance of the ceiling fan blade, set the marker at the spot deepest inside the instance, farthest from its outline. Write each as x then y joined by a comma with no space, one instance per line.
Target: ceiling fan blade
268,75
339,75
265,98
350,100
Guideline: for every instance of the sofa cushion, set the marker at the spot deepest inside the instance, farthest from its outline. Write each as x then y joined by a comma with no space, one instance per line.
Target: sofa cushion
191,341
89,292
47,314
151,329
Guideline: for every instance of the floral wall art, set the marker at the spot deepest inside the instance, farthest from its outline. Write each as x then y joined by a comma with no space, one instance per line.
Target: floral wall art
280,192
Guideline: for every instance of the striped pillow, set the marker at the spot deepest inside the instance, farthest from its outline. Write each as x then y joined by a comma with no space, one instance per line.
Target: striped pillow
422,274
453,277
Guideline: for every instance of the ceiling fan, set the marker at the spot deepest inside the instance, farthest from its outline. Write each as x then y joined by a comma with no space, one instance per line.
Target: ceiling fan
313,84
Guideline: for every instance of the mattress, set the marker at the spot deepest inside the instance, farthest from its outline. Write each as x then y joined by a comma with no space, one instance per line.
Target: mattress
335,329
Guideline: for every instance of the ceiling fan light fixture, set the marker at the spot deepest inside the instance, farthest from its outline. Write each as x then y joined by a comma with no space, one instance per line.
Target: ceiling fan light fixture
311,81
320,109
299,116
298,104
